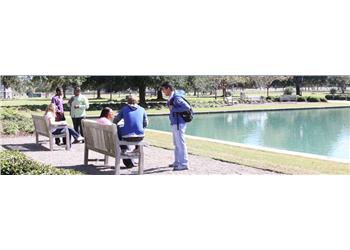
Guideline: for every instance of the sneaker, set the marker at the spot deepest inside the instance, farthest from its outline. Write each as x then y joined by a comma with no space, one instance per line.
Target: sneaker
80,138
180,168
172,165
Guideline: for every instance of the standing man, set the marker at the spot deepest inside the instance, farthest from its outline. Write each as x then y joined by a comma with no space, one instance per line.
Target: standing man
177,105
57,100
78,105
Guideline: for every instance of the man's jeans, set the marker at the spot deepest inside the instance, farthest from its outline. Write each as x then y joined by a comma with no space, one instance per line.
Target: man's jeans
181,156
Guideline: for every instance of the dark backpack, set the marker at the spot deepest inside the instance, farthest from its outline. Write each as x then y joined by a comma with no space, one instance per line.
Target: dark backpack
187,115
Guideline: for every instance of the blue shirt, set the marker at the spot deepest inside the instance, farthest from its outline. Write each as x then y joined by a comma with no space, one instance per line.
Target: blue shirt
177,104
135,120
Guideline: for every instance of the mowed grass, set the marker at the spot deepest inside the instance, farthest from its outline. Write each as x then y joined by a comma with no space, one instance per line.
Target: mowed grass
281,163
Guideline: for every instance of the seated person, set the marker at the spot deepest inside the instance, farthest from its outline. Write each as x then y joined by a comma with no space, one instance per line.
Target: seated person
50,115
135,120
106,116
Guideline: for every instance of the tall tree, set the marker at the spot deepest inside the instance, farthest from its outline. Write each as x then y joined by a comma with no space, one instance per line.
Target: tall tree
267,81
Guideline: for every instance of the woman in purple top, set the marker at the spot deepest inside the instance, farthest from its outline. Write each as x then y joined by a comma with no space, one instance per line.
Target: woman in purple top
57,100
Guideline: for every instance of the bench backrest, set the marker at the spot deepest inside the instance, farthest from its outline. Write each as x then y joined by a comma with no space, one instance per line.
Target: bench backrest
100,138
40,125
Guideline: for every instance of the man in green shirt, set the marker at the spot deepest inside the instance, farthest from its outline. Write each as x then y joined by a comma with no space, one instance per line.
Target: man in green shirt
78,105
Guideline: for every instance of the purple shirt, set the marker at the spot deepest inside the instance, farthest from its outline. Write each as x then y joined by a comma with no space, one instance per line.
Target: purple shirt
58,101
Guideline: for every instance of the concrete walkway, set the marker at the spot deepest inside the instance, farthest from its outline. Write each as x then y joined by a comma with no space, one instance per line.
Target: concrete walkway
156,159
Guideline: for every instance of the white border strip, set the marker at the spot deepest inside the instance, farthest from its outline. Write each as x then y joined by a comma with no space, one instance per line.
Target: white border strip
268,149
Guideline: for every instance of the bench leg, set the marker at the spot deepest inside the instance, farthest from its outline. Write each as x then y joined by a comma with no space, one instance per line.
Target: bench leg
106,160
36,138
67,140
141,160
51,143
117,164
86,155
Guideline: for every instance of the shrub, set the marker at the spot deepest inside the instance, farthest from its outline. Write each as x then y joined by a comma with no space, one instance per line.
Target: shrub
288,90
17,163
348,98
276,99
313,99
301,98
329,97
269,98
342,97
333,91
322,99
14,122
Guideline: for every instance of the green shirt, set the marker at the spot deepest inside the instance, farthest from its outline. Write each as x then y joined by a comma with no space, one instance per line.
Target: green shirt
83,103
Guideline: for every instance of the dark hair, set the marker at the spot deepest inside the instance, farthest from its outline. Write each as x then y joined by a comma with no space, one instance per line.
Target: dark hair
167,85
105,111
59,89
77,88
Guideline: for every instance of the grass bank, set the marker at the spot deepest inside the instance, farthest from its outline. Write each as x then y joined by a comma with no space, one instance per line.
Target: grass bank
276,162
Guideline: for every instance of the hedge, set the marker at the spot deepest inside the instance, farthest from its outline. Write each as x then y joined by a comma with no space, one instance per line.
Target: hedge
14,122
341,97
16,163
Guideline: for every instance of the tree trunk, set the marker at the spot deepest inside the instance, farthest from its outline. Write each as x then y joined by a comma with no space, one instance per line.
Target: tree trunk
98,94
216,94
267,91
298,84
64,92
159,94
142,94
195,92
111,96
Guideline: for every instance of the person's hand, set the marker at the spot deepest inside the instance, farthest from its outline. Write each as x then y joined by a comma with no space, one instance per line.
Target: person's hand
63,123
170,107
76,106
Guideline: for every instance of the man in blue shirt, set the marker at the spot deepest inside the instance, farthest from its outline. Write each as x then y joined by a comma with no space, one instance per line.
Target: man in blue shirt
135,120
177,105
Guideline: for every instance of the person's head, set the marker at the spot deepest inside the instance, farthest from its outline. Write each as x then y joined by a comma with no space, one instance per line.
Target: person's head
132,99
167,88
107,113
77,91
59,91
51,108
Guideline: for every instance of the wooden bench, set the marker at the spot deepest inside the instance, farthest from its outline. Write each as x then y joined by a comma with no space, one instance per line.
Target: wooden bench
41,127
104,139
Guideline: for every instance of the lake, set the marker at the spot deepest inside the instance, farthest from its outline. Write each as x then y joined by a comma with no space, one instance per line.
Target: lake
323,132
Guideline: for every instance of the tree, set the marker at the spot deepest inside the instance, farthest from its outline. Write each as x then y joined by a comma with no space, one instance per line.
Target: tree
52,82
18,83
340,81
267,81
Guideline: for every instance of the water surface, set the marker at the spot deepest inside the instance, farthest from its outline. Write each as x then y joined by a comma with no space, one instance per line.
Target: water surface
324,132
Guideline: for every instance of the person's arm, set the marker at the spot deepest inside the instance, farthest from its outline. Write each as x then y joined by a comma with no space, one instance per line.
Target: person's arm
52,121
145,119
86,103
180,105
70,101
118,117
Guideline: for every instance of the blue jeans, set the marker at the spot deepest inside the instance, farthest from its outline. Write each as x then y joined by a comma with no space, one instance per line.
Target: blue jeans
181,155
72,133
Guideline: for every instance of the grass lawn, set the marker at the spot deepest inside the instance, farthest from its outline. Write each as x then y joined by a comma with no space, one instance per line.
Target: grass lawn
276,162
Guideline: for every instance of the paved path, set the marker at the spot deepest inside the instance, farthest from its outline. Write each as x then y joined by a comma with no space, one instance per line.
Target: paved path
156,159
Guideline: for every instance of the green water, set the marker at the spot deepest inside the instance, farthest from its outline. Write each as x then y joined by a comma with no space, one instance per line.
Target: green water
319,131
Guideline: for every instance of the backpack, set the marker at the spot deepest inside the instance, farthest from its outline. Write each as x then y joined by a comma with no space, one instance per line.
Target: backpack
187,115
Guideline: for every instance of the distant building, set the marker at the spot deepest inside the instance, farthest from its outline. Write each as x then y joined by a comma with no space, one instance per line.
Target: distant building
5,93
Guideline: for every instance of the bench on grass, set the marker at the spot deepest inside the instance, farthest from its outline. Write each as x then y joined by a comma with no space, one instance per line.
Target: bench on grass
41,127
104,139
